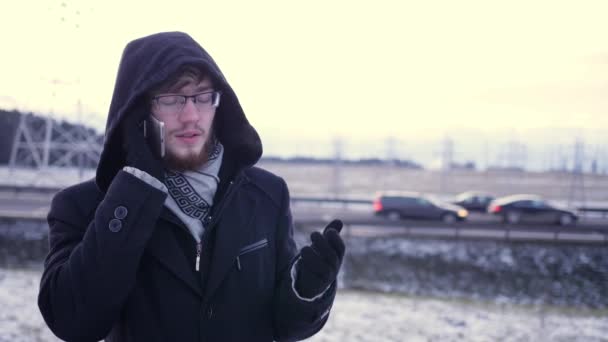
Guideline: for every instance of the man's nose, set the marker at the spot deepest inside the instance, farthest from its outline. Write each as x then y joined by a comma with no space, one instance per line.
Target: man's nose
189,111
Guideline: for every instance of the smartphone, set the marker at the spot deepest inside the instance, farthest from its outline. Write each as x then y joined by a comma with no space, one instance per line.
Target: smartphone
154,131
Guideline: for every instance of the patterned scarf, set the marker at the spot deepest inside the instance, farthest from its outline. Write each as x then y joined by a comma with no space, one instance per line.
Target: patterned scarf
191,192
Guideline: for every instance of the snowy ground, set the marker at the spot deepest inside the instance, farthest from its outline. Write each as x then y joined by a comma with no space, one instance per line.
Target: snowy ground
361,316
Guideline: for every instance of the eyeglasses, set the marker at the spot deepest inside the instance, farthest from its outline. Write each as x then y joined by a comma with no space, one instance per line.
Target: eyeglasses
172,104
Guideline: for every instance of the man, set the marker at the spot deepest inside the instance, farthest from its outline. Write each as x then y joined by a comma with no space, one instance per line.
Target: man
194,244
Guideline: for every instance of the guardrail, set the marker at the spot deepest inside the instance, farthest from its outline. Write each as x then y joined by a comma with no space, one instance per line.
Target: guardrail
587,210
18,189
467,230
29,189
493,225
34,225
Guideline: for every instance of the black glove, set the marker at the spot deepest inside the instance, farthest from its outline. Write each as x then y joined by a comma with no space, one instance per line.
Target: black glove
138,153
320,262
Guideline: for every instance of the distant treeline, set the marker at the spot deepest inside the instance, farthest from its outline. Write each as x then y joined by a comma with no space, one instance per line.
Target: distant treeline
367,162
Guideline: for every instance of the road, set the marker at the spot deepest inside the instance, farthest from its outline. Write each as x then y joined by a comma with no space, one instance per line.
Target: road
362,214
24,204
361,222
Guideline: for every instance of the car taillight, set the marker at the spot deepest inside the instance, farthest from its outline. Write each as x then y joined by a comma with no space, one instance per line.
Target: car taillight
495,209
377,205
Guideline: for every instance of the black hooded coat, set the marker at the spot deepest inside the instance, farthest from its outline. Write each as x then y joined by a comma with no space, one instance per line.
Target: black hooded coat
121,265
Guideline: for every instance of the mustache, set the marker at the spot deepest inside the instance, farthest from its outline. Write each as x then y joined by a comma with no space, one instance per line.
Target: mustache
184,129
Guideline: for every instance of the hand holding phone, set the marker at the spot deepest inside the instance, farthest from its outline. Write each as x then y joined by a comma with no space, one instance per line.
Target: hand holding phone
154,131
137,148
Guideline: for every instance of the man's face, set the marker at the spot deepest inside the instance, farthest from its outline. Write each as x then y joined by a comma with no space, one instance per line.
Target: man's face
189,131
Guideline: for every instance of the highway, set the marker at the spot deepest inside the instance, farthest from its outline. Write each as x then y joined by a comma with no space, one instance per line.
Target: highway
361,222
24,204
362,214
30,204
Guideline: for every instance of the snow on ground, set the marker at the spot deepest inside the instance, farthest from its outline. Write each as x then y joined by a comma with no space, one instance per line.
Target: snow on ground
20,320
361,316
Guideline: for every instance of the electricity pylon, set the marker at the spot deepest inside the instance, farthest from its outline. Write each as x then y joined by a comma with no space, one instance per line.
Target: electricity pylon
577,182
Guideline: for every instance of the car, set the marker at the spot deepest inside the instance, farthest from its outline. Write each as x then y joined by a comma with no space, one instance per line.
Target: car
530,209
412,205
474,201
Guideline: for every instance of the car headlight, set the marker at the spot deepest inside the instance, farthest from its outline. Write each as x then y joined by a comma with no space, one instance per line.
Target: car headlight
463,213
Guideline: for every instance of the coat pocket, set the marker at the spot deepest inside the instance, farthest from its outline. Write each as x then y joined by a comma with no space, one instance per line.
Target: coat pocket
249,249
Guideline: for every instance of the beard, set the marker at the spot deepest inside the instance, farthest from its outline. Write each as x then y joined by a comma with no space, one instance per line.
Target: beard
192,161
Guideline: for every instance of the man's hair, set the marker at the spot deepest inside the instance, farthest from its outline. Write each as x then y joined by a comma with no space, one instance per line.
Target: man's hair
186,74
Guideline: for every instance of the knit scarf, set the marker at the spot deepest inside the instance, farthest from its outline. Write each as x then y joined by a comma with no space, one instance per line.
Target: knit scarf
191,193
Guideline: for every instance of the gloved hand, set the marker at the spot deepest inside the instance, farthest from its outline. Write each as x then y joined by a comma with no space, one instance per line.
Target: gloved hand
320,262
138,153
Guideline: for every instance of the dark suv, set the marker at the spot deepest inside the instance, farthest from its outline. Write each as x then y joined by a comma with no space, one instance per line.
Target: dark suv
395,206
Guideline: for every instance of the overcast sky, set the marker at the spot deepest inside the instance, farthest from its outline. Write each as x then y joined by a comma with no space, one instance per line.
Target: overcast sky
313,69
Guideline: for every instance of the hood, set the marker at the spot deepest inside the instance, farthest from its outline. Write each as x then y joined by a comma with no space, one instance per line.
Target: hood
146,63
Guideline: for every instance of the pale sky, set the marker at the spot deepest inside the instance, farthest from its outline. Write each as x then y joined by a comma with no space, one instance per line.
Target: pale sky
313,69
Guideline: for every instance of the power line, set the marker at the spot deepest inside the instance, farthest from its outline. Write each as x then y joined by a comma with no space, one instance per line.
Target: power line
577,182
337,168
447,160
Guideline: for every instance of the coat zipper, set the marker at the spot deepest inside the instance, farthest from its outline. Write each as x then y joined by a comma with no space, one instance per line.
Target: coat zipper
210,222
199,248
248,249
254,246
212,219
